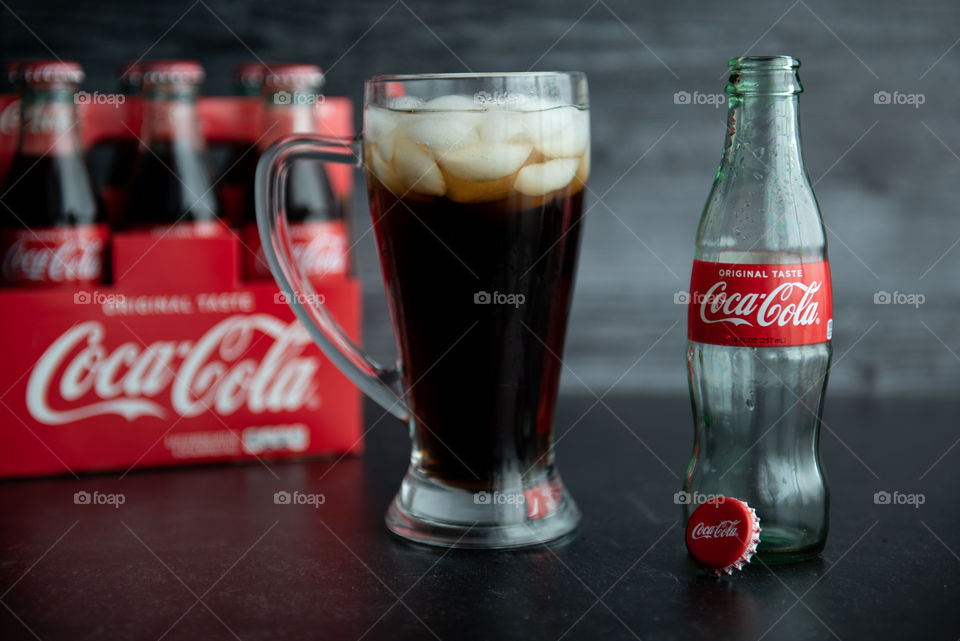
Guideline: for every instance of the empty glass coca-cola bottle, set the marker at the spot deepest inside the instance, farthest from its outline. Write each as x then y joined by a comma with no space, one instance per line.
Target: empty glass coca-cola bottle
52,231
318,231
760,321
171,190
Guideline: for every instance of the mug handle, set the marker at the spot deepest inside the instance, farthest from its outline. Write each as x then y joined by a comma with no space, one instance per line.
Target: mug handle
379,383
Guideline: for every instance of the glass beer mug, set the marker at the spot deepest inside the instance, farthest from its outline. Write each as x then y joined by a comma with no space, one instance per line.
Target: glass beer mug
476,185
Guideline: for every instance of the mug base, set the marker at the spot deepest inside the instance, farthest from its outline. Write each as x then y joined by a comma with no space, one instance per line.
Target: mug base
429,512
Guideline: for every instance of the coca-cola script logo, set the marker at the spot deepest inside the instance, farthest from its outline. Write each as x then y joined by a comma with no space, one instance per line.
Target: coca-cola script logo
79,377
53,256
722,530
780,306
760,305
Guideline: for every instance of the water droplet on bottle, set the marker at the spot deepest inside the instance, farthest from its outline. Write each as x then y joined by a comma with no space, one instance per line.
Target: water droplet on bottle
750,402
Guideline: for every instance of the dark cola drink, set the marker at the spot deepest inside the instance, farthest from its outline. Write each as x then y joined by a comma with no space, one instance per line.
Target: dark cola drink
236,184
171,191
52,231
477,216
318,232
123,150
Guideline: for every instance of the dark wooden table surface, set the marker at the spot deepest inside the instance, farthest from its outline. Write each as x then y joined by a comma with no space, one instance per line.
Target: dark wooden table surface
205,553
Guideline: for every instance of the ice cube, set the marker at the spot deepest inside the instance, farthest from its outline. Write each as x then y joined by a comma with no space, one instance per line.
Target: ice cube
444,131
453,102
503,126
384,172
483,162
386,146
559,133
378,123
542,178
417,170
583,171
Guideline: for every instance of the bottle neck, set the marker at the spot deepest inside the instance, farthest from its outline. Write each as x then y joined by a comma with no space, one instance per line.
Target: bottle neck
172,118
763,136
286,114
48,123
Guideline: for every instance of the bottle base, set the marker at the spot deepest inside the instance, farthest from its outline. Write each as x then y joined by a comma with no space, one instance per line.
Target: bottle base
779,546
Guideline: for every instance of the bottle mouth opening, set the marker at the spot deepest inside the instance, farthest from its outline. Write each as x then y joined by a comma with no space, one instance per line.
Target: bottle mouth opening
764,76
763,63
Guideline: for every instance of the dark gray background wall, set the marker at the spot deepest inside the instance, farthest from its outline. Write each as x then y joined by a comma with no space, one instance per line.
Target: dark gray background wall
887,175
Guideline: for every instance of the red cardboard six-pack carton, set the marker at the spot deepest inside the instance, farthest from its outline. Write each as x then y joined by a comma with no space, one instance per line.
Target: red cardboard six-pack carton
179,360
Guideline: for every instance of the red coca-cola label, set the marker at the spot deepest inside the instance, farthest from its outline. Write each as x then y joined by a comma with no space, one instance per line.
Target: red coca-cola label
760,305
320,248
52,256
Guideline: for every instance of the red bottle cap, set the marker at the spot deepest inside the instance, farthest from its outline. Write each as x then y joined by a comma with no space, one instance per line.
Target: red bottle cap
175,72
293,76
50,72
722,534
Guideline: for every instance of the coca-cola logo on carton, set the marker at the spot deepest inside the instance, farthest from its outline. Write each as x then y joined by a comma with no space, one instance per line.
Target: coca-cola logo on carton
79,376
760,305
